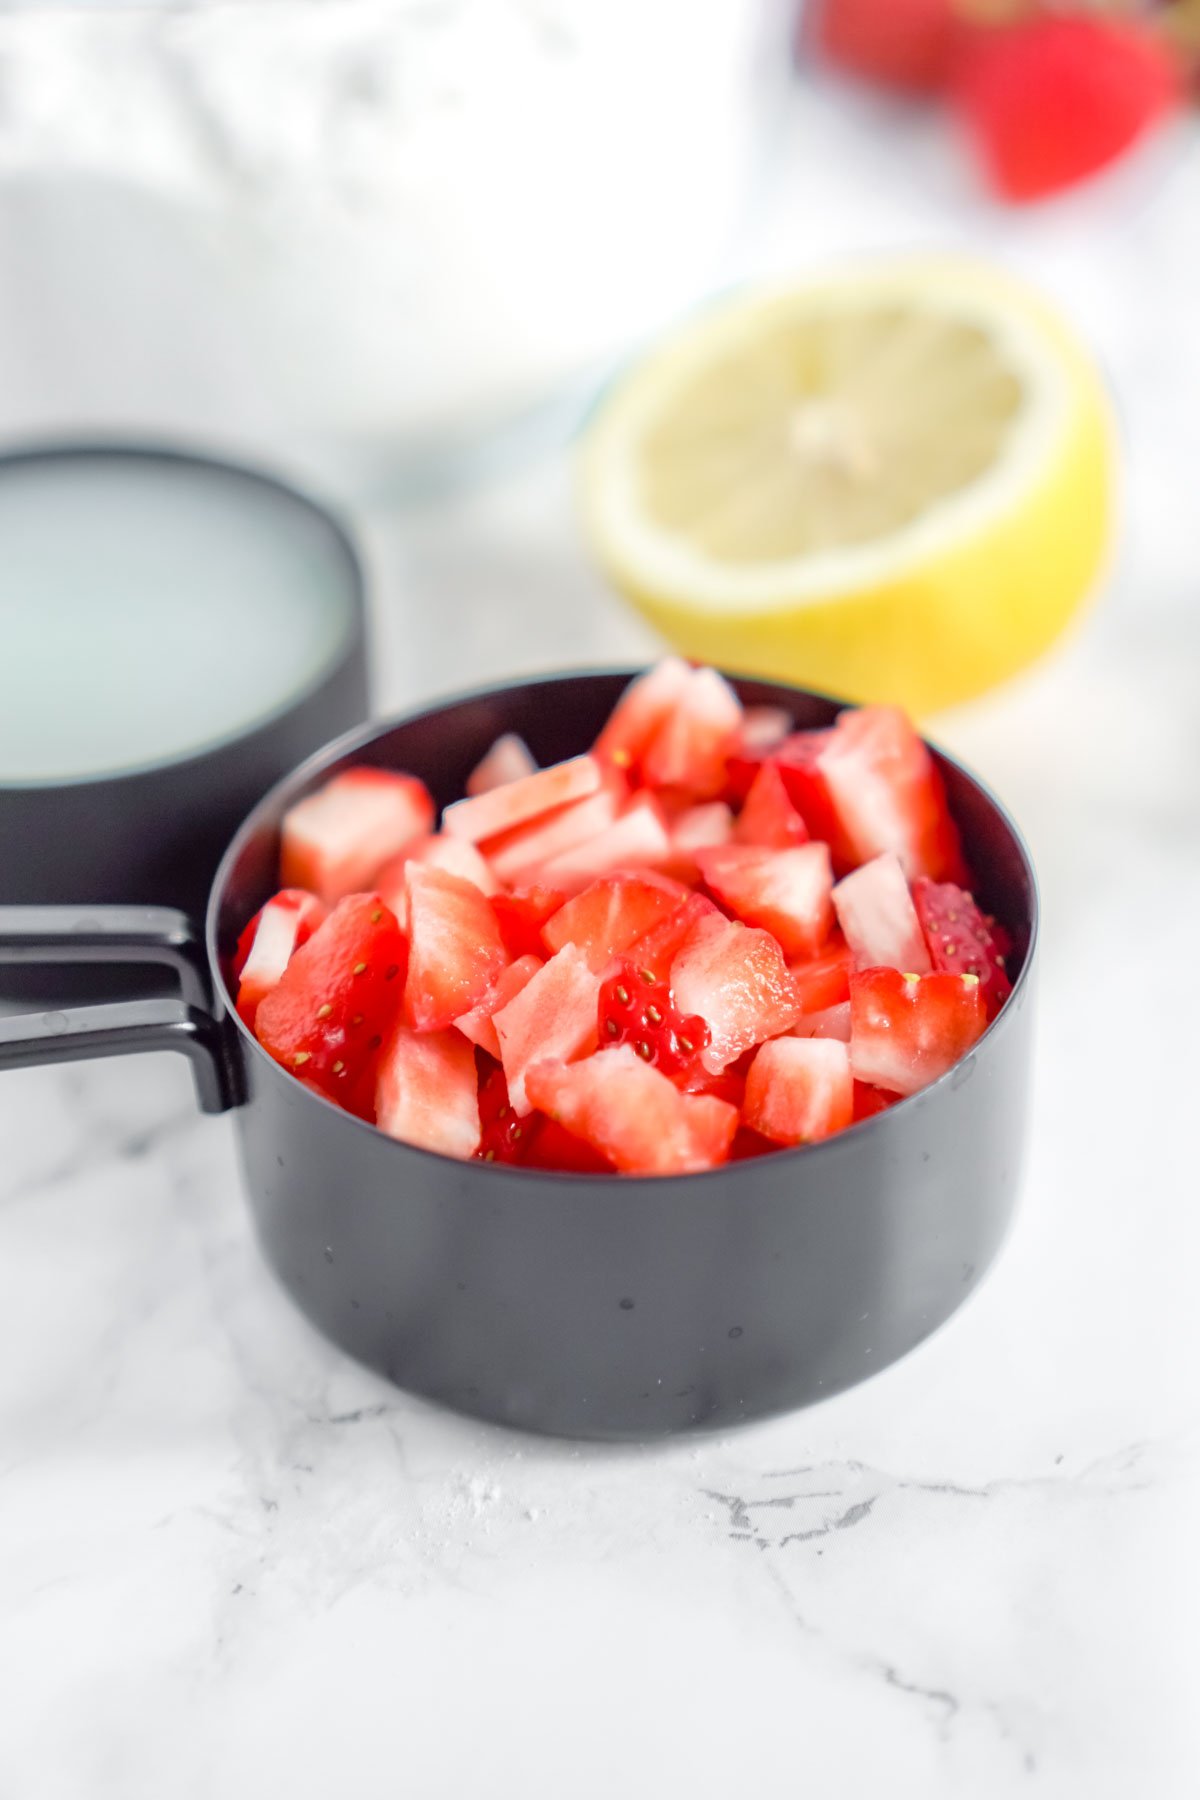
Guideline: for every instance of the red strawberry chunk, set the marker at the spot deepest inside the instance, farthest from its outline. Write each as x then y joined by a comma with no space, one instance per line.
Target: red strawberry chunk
427,1091
908,1030
831,1022
1051,100
327,1015
690,749
702,827
455,948
500,809
737,980
877,915
763,728
962,940
477,1024
508,760
904,44
887,793
787,892
552,1146
823,981
554,1016
798,761
438,852
610,915
265,947
633,1115
637,840
531,1141
657,951
636,1008
336,839
521,916
869,1101
518,856
642,708
799,1090
768,817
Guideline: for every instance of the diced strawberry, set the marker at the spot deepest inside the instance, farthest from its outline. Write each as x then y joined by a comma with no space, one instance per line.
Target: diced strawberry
640,711
1050,100
904,44
504,808
455,948
503,1137
737,980
517,856
508,760
824,981
961,939
747,1145
477,1024
831,1022
888,795
637,1008
521,916
763,727
729,1085
798,760
656,952
610,915
690,748
427,1091
437,852
799,1090
869,1101
336,839
768,817
327,1015
877,915
908,1030
633,1115
636,840
786,892
554,1015
552,1146
265,947
701,827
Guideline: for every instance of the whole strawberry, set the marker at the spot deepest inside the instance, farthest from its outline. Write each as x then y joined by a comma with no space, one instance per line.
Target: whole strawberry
1054,98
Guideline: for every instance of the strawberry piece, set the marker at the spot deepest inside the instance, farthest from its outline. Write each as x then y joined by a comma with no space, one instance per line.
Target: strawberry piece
799,1090
830,1022
427,1091
477,1024
877,915
437,852
787,892
962,940
504,1137
798,762
265,947
908,1030
335,839
554,1016
633,1115
702,827
504,808
521,917
455,948
737,980
729,1085
552,1146
655,952
637,1008
691,746
636,840
763,728
328,1013
508,760
768,817
612,914
642,708
1051,100
823,981
518,856
887,794
908,45
869,1101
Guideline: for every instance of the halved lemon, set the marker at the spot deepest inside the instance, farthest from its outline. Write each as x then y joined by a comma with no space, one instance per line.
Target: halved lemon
895,483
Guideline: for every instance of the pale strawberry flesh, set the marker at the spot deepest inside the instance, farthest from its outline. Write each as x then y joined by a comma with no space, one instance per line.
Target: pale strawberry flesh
455,948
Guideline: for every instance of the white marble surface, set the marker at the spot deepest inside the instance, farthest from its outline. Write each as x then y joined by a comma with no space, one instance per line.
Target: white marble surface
234,1564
